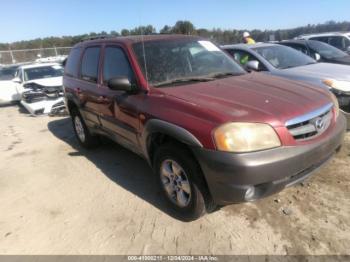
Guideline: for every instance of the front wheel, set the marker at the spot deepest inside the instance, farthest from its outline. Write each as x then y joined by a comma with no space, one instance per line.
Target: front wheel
181,182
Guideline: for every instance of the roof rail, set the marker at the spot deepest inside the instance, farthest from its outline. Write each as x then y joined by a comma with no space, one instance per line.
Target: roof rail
96,37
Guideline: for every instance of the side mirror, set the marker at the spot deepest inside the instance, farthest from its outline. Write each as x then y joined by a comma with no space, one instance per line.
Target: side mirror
253,65
317,57
121,83
17,80
348,49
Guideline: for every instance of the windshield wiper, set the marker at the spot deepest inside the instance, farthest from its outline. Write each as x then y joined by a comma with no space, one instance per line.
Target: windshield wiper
218,75
184,80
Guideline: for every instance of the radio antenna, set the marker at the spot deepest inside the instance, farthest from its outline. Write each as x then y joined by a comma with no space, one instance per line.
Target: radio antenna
144,55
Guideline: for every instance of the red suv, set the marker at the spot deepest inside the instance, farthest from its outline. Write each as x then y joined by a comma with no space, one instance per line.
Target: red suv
213,133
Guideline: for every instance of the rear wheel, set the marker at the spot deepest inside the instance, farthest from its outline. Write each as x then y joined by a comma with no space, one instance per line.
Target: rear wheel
181,182
82,132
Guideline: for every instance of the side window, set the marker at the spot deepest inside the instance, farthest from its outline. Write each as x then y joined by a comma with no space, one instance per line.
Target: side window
243,58
89,64
300,48
71,67
116,64
338,42
321,39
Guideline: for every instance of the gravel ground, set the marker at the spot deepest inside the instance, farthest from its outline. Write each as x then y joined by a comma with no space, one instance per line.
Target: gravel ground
57,198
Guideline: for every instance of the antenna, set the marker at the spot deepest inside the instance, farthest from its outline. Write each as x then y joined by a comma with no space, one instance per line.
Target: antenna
144,54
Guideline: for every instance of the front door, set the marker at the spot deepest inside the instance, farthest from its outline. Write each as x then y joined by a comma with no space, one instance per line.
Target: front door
119,111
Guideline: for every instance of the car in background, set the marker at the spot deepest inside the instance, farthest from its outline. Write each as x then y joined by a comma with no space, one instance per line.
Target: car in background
340,40
8,89
319,51
212,133
7,72
283,61
39,88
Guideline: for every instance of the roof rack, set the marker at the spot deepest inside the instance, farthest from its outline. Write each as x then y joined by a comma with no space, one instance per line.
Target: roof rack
96,37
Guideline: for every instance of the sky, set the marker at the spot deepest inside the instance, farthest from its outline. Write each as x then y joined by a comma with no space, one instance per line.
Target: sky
30,19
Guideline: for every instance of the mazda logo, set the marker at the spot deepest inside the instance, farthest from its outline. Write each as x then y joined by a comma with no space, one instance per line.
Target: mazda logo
319,124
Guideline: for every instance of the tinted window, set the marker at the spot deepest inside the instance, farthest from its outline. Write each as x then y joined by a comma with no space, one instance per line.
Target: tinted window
326,50
89,64
116,64
71,67
337,42
320,38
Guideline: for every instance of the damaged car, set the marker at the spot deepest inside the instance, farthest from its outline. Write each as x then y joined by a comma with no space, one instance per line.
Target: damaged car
40,88
9,92
284,61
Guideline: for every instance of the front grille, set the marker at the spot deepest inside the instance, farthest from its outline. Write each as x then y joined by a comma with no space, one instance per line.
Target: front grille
311,124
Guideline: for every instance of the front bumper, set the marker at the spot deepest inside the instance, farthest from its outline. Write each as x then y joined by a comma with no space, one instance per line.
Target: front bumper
45,106
234,178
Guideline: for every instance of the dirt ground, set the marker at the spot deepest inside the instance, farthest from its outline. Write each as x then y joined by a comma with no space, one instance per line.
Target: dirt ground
57,198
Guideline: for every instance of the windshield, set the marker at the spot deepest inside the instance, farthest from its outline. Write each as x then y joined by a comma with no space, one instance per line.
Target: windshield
283,57
8,73
42,72
326,50
169,61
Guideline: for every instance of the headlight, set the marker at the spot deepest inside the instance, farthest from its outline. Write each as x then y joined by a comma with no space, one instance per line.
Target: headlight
339,85
245,137
336,105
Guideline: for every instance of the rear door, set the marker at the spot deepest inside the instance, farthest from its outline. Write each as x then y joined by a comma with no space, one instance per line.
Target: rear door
119,111
89,87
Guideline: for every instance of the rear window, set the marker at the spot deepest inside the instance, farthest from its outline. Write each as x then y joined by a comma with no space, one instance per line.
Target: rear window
71,67
89,64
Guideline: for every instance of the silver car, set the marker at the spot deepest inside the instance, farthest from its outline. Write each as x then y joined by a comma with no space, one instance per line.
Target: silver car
286,62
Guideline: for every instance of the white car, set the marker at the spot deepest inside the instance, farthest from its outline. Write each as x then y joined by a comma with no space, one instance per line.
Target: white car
8,91
39,87
340,40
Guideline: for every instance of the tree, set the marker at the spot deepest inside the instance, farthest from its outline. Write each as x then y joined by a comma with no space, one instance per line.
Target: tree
184,27
165,30
125,32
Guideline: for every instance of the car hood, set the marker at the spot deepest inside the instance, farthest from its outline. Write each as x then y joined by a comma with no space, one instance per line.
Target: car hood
252,97
321,71
52,81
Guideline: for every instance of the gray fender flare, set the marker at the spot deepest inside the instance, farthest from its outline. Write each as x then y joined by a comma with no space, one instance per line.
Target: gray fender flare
159,126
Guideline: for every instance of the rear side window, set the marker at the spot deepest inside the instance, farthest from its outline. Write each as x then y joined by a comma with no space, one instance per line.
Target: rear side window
338,42
324,39
71,67
116,64
89,64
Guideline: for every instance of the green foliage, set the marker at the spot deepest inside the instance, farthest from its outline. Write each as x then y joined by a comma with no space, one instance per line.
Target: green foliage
185,27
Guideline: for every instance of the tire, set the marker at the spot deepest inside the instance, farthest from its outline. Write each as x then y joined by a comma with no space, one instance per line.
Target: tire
186,192
81,131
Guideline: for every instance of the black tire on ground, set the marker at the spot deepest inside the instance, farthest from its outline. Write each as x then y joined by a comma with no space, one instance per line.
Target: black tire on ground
200,200
89,141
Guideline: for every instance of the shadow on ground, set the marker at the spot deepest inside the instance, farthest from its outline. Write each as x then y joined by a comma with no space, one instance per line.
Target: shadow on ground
119,164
